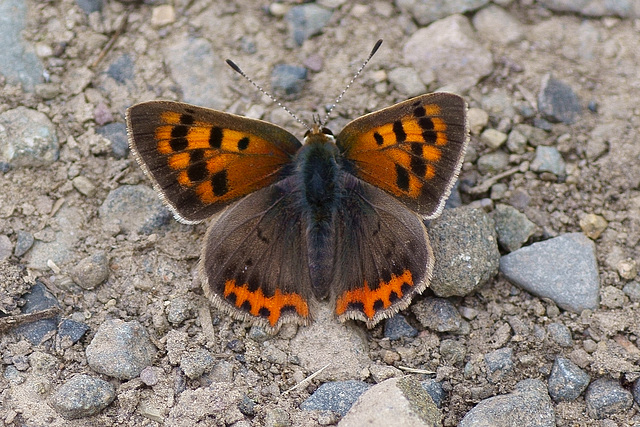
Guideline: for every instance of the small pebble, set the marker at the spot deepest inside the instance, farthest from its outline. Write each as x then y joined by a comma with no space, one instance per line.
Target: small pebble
549,159
493,163
567,381
560,334
628,269
120,349
557,101
512,226
24,241
91,271
493,138
606,397
437,314
149,376
478,119
84,185
82,396
72,329
335,396
306,20
499,364
197,362
6,247
397,327
593,225
179,310
163,15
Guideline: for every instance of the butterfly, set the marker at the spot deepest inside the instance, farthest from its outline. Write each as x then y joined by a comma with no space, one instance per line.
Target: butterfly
337,218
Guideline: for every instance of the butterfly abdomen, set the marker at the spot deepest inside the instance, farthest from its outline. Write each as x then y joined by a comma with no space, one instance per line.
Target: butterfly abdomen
319,174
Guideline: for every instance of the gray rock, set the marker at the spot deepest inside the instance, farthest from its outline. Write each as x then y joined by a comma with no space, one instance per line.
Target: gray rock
117,134
394,402
306,20
606,397
437,314
24,241
427,11
560,334
549,159
499,364
450,49
528,405
179,310
120,349
90,6
516,142
122,69
406,81
496,25
563,269
197,362
82,396
136,208
512,226
247,406
397,327
27,138
465,251
557,101
493,138
567,381
632,290
18,62
435,390
200,80
288,80
595,8
39,298
336,396
493,163
91,271
6,247
71,329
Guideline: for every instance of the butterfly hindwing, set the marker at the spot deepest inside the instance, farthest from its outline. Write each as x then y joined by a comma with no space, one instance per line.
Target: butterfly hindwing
201,160
254,264
413,150
383,254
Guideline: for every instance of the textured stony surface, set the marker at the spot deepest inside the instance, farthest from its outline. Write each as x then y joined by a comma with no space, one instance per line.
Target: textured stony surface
74,66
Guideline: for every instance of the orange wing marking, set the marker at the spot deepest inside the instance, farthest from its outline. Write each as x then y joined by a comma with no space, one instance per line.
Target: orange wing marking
370,300
262,306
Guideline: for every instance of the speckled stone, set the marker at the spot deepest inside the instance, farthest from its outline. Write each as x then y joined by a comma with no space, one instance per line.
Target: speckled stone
82,396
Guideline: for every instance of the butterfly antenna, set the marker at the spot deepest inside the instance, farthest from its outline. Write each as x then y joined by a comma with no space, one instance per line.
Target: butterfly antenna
273,98
355,76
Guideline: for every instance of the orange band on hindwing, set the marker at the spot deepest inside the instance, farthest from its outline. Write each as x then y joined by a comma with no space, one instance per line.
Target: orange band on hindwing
369,301
259,305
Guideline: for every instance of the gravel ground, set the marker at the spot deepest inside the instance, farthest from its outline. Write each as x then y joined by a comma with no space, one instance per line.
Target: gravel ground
532,316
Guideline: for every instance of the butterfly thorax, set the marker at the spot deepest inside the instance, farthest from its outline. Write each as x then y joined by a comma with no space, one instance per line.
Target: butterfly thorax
318,167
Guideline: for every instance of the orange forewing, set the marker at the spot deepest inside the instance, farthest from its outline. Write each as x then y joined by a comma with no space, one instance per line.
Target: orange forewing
412,150
201,159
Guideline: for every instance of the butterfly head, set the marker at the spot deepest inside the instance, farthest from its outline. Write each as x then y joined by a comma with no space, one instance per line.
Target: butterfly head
319,134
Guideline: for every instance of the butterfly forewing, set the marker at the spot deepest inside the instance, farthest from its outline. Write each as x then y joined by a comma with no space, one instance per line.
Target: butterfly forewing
412,150
201,160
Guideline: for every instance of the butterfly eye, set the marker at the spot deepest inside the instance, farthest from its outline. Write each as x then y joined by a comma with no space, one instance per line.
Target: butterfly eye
327,131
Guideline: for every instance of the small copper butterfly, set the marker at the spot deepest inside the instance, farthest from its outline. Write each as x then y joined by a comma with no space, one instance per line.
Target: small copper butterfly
337,218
